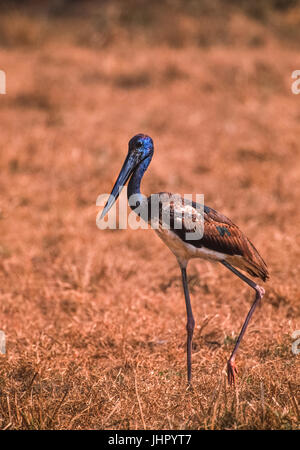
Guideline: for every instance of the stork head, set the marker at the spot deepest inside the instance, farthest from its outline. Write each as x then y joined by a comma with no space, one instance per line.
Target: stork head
140,147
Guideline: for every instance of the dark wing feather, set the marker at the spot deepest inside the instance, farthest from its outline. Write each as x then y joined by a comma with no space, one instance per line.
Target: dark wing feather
220,235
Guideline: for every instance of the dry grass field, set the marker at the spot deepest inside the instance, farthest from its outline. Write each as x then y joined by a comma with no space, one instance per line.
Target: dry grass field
95,320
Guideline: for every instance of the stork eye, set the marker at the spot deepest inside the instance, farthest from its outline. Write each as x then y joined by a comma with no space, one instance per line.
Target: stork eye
138,145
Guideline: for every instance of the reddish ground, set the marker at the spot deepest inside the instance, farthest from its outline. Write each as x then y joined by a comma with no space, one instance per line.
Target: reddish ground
95,320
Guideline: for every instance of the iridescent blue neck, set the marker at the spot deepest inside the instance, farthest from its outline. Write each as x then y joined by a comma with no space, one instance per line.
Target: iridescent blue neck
135,180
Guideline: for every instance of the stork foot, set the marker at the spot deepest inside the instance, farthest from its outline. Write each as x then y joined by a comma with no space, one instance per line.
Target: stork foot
231,372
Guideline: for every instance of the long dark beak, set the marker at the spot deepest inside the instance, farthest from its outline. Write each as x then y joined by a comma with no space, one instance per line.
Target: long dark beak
127,169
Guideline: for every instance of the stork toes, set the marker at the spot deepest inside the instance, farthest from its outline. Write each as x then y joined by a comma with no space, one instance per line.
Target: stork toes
231,372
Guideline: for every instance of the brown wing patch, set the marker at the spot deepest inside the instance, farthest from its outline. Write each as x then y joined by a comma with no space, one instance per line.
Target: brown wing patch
235,243
223,238
220,234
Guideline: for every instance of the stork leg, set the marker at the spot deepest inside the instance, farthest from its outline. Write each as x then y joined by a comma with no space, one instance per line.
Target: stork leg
190,322
259,293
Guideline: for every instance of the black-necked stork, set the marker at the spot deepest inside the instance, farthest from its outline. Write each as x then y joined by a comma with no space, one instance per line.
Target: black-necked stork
222,241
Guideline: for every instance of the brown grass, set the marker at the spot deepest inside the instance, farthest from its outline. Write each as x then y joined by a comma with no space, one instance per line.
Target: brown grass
95,320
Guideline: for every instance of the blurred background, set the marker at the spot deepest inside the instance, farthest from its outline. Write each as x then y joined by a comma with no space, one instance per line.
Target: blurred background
95,320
